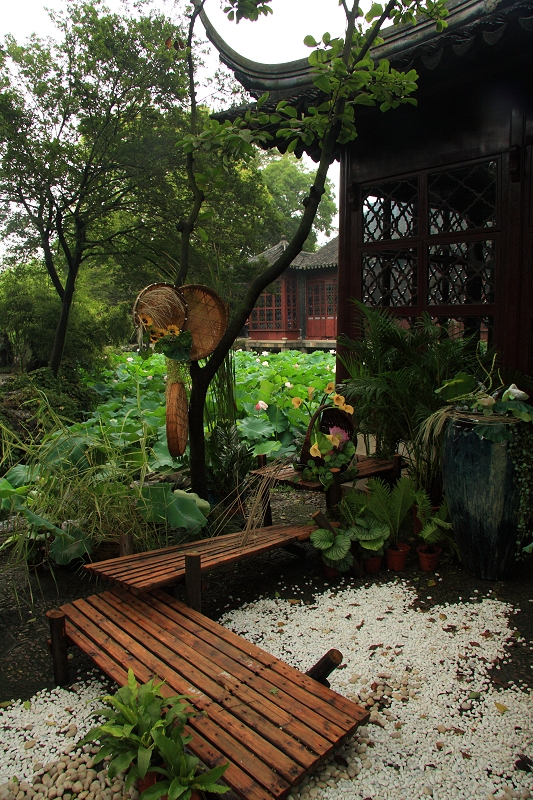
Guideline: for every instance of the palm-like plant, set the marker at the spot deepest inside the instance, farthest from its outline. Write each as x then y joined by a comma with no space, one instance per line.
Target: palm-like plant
394,372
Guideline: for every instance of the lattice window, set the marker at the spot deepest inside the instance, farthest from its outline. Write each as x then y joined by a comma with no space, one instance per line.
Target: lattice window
463,199
316,305
267,313
461,273
390,277
291,304
331,299
390,210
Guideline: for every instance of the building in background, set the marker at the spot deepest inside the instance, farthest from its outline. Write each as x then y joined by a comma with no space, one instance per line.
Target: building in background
299,310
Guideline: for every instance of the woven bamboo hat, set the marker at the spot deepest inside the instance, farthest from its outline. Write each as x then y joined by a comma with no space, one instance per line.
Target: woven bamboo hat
207,318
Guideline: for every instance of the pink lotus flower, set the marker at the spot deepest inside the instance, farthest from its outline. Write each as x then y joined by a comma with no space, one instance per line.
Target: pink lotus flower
340,435
261,406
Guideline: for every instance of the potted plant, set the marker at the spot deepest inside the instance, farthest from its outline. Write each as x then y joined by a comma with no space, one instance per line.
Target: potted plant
142,728
433,526
487,465
364,529
335,548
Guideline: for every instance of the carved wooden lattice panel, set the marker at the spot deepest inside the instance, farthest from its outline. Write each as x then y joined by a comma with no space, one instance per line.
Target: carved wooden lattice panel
266,315
291,303
462,272
390,210
463,198
390,277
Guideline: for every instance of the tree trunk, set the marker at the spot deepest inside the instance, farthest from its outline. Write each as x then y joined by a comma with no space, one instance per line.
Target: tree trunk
62,325
196,430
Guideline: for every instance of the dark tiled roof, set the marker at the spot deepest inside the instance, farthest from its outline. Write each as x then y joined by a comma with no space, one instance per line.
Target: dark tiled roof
327,256
484,20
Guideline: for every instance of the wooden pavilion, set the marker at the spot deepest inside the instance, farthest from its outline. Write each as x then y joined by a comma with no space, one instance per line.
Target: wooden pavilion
298,311
436,201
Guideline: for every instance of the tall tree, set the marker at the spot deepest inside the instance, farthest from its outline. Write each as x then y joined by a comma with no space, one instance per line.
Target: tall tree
78,135
347,76
288,180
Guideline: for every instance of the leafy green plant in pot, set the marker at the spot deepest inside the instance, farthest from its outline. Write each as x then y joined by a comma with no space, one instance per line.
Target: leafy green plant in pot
364,529
434,529
391,507
335,547
141,726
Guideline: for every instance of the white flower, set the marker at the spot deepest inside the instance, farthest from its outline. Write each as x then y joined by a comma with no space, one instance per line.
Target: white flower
130,360
296,366
239,350
149,377
332,352
264,363
514,393
265,353
288,384
261,406
258,360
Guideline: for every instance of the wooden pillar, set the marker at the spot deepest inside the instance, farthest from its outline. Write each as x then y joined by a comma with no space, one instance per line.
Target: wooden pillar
125,544
193,580
397,466
58,646
325,666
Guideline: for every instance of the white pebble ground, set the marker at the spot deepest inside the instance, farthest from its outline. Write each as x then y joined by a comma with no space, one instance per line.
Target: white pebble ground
441,730
438,726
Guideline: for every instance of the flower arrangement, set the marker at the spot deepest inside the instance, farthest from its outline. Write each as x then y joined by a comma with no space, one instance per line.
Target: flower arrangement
330,439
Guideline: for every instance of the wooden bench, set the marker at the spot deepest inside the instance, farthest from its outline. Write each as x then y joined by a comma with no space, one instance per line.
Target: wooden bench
390,469
144,572
271,722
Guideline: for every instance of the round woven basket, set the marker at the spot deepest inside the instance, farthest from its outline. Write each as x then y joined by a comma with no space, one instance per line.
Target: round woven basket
207,318
177,419
158,306
330,417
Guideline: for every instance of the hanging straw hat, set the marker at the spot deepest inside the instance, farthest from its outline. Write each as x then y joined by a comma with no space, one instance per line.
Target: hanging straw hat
177,419
159,306
207,318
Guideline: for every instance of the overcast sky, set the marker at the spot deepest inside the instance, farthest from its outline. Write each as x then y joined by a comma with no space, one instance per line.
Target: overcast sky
273,39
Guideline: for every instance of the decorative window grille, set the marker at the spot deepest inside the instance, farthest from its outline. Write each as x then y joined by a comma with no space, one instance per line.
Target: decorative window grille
267,314
390,210
321,299
463,199
461,273
390,277
291,303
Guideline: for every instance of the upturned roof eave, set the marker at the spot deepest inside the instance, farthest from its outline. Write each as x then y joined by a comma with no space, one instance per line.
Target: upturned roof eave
399,42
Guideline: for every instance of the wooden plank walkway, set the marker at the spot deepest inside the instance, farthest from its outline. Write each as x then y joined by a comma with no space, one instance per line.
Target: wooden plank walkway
155,569
270,721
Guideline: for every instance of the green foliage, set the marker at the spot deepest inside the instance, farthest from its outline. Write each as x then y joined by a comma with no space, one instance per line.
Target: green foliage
247,9
434,523
288,181
380,516
139,719
334,547
394,374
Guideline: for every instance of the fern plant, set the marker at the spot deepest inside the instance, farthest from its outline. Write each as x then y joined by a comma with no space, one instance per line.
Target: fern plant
377,519
435,524
394,372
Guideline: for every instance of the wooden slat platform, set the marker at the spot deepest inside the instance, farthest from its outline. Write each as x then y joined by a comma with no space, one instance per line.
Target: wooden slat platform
367,468
270,721
144,572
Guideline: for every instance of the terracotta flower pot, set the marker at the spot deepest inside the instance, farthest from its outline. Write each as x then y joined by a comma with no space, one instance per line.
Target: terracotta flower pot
372,564
331,572
152,777
149,779
396,558
428,561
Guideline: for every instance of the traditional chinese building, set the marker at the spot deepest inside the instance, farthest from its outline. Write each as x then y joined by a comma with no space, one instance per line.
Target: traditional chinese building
436,201
299,310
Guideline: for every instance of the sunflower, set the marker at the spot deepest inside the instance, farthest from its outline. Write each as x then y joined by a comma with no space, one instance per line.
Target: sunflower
173,330
145,320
